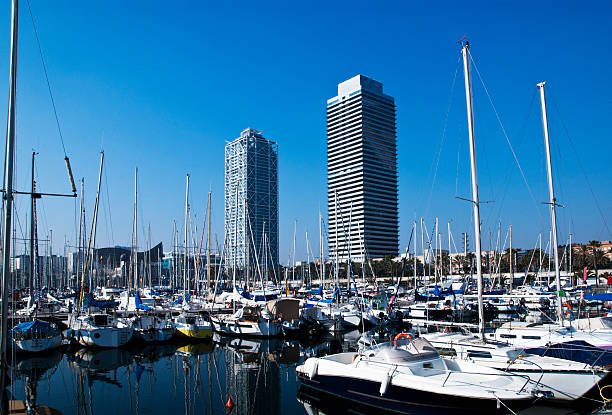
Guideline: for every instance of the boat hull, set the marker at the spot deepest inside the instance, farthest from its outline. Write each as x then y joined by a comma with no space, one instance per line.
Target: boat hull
399,400
38,345
154,335
247,328
196,333
103,337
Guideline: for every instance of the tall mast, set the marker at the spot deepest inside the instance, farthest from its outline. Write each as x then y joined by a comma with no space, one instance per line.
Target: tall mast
336,231
208,250
293,253
8,203
475,200
322,282
423,252
32,236
436,254
415,258
571,273
80,244
149,254
174,262
450,258
185,265
551,201
136,228
511,263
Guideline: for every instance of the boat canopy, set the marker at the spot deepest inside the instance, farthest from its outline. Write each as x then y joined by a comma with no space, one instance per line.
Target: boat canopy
35,325
139,304
89,301
289,308
598,296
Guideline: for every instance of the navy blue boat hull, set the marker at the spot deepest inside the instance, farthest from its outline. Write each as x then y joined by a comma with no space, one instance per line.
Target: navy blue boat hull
364,396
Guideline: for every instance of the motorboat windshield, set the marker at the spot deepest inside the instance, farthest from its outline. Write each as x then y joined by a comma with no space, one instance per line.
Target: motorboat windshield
403,350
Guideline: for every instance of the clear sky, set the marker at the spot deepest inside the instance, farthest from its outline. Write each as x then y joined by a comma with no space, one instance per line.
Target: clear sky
164,85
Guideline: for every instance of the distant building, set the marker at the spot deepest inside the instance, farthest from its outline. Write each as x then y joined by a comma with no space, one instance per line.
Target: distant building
251,201
362,192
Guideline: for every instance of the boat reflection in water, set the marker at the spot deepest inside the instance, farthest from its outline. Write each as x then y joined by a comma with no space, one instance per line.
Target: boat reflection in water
181,377
31,370
252,376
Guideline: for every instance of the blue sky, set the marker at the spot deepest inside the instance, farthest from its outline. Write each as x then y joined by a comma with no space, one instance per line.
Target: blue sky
163,86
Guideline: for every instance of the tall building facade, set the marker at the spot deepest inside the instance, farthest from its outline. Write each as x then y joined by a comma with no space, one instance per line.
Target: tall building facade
251,202
362,192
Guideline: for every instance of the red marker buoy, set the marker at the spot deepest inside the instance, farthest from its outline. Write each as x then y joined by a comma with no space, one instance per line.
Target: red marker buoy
230,404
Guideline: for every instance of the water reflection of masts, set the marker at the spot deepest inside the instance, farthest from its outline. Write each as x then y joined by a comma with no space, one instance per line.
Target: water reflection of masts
250,376
81,403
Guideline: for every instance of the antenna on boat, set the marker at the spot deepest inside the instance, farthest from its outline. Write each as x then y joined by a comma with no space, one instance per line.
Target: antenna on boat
470,118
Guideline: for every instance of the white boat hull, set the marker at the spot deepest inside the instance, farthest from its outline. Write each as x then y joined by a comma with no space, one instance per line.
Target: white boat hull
38,345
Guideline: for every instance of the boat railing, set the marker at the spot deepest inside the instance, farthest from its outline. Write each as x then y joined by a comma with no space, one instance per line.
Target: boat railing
525,377
512,361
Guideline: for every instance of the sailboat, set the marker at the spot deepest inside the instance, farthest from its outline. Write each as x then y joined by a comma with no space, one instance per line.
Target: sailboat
148,325
541,335
35,335
558,379
190,324
96,329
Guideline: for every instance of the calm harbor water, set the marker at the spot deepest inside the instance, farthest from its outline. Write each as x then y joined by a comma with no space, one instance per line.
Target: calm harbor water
176,378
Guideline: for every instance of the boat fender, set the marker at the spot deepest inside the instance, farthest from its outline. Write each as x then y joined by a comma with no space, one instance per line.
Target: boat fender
313,369
384,385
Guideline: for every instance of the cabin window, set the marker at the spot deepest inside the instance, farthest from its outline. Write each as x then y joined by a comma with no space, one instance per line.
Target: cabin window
508,336
479,354
100,320
532,337
428,365
447,351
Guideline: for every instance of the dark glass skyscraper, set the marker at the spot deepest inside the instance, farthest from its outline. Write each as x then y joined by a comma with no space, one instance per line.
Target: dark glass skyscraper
362,193
251,201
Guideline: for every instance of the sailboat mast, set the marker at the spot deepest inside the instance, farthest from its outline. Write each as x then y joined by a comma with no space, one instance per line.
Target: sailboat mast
551,201
415,258
423,252
322,282
136,228
8,203
208,237
511,264
475,201
185,265
32,213
450,258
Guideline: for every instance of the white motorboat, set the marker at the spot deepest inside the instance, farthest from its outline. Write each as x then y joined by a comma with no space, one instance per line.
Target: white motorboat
533,335
247,321
404,377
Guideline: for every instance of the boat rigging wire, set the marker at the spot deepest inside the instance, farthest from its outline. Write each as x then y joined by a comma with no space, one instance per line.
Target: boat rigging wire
603,218
505,134
444,128
44,65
